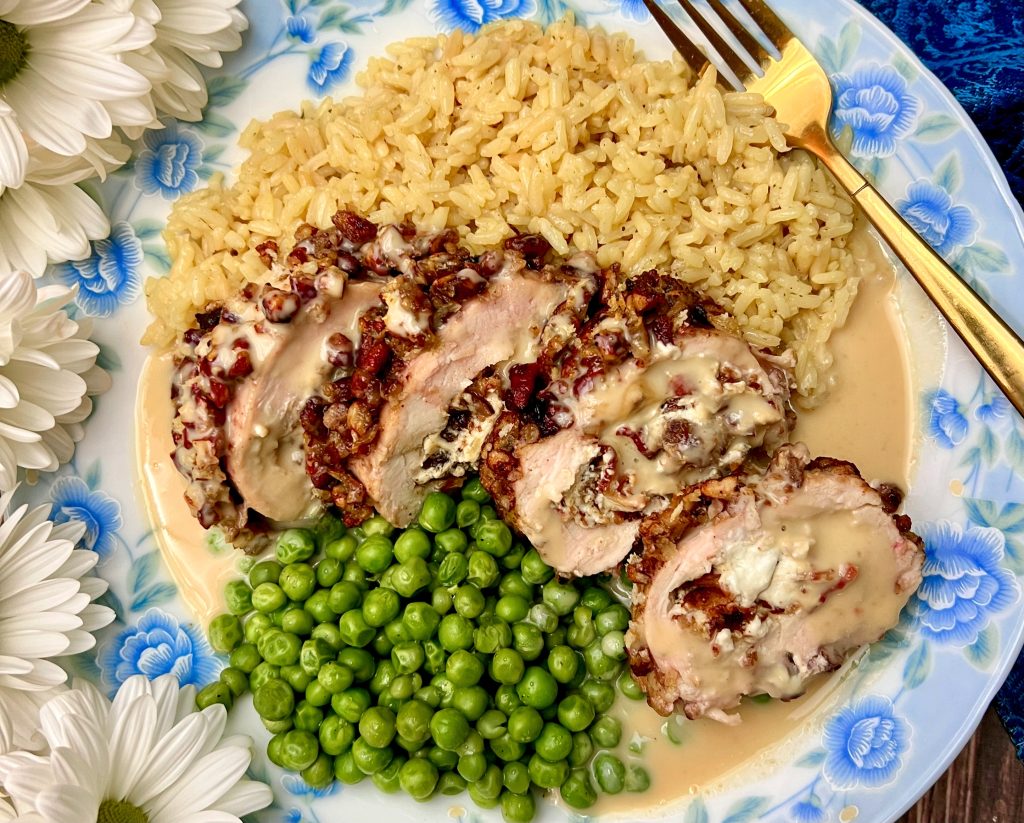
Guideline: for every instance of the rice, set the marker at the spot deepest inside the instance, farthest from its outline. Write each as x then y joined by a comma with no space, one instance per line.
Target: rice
565,132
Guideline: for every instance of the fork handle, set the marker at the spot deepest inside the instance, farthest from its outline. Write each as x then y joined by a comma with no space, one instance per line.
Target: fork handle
996,346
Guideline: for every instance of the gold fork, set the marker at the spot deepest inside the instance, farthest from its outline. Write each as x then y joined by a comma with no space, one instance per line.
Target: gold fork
795,85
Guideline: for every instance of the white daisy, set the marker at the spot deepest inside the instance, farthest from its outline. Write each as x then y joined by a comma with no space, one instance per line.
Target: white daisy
64,80
188,32
147,757
19,719
48,375
47,595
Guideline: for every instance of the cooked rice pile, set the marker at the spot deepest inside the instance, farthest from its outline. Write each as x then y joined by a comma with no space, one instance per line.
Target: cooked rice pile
565,132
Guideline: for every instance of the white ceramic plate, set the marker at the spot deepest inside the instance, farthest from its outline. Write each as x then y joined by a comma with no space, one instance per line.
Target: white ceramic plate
897,721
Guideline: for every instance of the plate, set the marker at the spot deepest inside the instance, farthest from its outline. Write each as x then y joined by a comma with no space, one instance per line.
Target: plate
895,720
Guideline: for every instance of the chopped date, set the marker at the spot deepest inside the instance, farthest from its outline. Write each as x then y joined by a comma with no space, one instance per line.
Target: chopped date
355,228
532,247
522,384
373,357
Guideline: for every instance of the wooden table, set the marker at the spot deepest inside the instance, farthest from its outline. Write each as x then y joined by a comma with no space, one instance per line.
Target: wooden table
985,784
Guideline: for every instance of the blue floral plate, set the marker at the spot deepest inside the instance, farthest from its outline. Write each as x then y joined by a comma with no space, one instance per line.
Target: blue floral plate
898,718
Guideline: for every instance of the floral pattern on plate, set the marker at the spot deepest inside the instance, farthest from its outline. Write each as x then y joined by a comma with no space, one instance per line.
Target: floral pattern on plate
887,733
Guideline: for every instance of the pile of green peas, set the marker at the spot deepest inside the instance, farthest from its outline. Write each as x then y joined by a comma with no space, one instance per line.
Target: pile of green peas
440,659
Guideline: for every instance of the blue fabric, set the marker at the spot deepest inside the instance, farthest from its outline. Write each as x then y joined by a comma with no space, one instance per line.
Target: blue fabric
976,47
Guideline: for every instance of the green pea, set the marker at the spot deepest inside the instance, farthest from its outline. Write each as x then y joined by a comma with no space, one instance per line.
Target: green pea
421,621
513,585
543,617
387,778
494,537
577,790
369,759
234,679
606,732
582,749
596,599
561,597
528,640
610,773
418,778
554,639
483,570
214,693
468,601
328,572
343,549
601,695
351,703
329,634
375,554
411,576
317,694
512,608
277,616
464,668
295,545
492,724
507,749
576,713
518,808
278,647
299,750
451,784
492,636
580,636
313,655
506,699
525,724
516,777
297,621
297,581
277,726
637,779
455,632
563,663
554,742
380,606
449,728
405,686
467,513
436,657
334,677
612,618
308,717
355,631
238,597
445,687
453,570
537,688
346,770
473,744
274,748
225,633
318,605
407,657
377,726
413,720
547,775
473,490
344,596
430,695
266,571
442,758
534,569
472,701
507,666
629,687
296,677
412,542
489,786
598,663
437,513
245,658
472,766
255,625
451,541
354,573
383,676
397,632
441,601
514,558
360,661
261,674
328,529
377,525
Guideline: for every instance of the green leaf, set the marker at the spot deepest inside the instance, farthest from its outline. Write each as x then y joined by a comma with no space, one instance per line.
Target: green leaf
1014,557
935,127
216,125
907,70
917,667
982,652
337,18
989,446
390,7
108,359
92,477
849,39
984,256
1007,518
112,602
211,153
146,229
828,55
948,175
154,596
815,757
742,811
696,812
222,90
971,458
157,257
144,570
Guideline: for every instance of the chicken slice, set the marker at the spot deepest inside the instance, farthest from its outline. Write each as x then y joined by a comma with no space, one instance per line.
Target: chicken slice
754,586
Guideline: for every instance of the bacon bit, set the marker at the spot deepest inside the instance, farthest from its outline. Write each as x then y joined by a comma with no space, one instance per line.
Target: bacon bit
357,229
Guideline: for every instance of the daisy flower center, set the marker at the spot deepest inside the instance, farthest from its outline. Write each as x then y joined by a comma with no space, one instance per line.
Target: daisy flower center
120,811
13,51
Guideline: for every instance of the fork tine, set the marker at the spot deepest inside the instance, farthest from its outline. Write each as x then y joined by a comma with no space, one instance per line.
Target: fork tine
770,23
693,56
725,51
739,31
